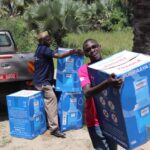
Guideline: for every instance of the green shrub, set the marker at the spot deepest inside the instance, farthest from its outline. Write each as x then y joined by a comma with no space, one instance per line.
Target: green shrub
24,39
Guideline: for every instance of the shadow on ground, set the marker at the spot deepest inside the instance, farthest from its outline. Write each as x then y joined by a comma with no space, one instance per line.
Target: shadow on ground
3,112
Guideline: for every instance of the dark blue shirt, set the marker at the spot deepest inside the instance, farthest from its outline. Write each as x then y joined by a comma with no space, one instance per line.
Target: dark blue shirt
44,66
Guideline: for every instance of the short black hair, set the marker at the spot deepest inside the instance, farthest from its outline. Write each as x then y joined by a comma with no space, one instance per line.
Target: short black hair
86,41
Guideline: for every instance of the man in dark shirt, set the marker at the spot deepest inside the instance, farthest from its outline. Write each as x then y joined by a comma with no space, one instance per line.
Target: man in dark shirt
44,76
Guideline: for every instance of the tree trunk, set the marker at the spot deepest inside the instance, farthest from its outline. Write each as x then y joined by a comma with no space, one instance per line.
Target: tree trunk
141,26
88,1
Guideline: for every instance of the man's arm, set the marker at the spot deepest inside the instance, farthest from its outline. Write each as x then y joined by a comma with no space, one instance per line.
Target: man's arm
68,53
91,91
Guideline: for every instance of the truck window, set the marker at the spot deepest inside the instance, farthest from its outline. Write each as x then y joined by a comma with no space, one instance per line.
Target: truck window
4,40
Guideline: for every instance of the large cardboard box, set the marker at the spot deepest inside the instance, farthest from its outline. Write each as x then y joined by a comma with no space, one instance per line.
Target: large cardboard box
26,114
67,72
124,113
70,110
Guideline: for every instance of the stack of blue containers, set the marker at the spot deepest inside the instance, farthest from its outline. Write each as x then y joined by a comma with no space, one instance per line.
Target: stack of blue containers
26,114
70,105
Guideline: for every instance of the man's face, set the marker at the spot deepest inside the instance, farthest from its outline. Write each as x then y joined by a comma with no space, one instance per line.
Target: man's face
92,50
47,40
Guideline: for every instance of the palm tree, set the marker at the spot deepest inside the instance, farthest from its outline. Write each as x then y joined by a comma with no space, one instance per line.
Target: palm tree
15,7
57,16
63,16
7,5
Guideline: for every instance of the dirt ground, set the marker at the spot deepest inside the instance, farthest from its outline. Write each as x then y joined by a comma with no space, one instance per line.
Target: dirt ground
76,140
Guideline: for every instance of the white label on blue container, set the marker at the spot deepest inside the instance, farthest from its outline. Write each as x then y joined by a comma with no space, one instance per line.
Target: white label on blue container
36,123
145,111
64,122
133,142
141,89
140,84
36,106
73,114
68,75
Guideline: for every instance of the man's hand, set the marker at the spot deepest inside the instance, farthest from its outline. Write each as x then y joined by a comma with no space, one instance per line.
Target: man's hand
114,82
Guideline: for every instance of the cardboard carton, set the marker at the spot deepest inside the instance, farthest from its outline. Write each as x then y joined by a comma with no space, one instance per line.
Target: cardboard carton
67,72
26,114
124,113
70,111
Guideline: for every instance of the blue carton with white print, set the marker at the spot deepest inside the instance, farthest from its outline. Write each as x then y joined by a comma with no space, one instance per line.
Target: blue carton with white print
70,110
67,72
70,63
26,113
124,113
68,82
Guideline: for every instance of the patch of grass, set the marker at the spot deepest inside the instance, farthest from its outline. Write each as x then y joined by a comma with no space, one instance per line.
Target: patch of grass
111,42
4,140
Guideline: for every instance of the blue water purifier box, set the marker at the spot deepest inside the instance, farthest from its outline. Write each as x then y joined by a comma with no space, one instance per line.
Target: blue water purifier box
70,63
70,110
68,82
67,72
124,112
26,113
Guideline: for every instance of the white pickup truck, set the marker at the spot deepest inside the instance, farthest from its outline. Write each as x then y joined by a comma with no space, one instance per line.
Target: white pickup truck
16,68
